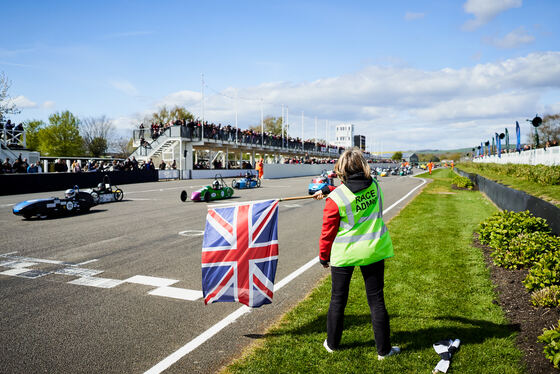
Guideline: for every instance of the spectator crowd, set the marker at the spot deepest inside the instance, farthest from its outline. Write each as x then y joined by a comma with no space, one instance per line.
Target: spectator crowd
194,129
20,165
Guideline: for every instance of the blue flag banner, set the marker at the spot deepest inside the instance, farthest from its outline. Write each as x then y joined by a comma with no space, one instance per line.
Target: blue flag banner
518,136
240,253
499,145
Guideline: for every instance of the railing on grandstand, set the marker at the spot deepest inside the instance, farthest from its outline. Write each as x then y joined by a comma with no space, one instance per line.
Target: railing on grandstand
229,135
12,138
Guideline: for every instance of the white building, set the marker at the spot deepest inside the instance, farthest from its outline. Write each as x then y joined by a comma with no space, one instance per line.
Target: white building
344,135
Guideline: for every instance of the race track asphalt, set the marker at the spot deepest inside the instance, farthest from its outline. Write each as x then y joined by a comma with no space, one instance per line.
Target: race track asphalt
53,322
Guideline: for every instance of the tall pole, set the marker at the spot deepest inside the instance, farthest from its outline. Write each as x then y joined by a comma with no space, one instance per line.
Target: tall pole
282,125
236,128
288,126
202,104
302,146
262,125
315,134
327,133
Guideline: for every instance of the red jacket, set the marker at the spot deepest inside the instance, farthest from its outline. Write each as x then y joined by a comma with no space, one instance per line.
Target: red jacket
331,221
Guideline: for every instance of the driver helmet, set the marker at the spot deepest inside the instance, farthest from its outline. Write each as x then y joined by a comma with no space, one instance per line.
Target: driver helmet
216,184
100,186
248,175
70,193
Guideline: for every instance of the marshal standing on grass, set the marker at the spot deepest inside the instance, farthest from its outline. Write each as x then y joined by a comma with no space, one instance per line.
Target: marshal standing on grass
354,234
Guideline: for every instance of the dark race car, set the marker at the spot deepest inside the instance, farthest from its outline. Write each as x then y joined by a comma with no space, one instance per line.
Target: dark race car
250,181
105,192
217,191
319,182
74,202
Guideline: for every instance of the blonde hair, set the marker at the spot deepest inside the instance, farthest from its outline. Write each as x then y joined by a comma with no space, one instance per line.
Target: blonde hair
350,162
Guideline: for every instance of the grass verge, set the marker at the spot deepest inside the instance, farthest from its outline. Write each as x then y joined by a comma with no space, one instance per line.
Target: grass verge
550,193
436,287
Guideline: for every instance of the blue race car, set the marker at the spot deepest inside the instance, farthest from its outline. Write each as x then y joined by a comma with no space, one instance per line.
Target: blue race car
320,182
250,181
75,201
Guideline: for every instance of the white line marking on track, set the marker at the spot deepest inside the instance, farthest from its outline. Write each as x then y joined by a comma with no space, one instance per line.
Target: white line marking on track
188,233
14,272
17,264
6,254
87,262
199,340
151,281
6,205
177,293
97,244
79,272
31,259
96,282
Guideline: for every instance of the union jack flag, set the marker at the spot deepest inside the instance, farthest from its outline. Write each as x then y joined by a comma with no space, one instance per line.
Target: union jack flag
240,253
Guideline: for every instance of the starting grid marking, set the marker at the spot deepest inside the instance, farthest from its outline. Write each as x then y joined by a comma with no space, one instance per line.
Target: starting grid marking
19,266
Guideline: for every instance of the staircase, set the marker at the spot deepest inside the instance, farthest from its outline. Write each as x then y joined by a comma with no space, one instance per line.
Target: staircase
156,148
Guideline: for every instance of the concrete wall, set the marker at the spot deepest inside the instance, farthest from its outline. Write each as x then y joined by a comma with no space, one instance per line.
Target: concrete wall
273,171
517,201
11,184
209,174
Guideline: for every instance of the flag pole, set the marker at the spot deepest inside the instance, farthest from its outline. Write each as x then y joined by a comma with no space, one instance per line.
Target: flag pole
295,198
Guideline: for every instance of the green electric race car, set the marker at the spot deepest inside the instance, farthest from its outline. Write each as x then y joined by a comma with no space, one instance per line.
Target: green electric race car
217,191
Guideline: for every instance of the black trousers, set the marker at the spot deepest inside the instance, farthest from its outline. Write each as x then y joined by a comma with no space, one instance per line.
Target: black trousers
373,279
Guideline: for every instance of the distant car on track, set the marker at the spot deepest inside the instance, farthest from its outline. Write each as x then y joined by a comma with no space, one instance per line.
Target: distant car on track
105,192
319,182
217,191
75,201
250,181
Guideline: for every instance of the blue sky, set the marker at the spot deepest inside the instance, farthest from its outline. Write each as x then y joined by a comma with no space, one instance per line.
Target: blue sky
408,74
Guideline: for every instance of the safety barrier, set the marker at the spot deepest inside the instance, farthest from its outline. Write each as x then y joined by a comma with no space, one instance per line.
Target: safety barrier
226,173
11,184
517,201
168,174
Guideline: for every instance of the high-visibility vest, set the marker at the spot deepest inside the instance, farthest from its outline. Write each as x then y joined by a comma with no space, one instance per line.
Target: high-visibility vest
362,237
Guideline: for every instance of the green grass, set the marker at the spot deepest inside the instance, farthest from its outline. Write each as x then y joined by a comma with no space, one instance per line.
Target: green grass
550,193
436,287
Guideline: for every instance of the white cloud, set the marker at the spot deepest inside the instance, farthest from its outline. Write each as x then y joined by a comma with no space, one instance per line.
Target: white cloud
410,16
181,98
513,39
485,10
23,102
124,86
48,104
400,107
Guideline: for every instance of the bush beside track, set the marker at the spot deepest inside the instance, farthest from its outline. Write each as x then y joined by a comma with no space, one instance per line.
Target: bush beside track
436,287
520,240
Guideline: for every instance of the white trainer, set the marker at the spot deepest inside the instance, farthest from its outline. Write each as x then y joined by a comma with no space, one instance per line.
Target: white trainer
393,351
327,346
